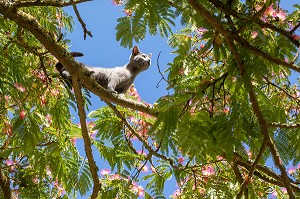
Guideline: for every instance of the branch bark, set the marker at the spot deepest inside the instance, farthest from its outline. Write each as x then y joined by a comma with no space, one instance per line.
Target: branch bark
25,3
85,30
284,126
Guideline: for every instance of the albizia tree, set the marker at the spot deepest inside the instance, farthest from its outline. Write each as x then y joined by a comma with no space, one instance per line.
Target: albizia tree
232,107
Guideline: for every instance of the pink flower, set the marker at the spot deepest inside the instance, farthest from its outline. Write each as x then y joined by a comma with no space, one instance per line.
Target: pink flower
220,158
20,87
296,37
104,171
142,152
35,180
280,15
42,77
137,189
73,140
208,170
284,190
22,114
117,2
269,11
145,168
226,109
48,172
291,170
9,162
254,34
274,193
201,31
153,169
181,71
54,92
180,160
176,194
128,12
249,153
115,177
48,119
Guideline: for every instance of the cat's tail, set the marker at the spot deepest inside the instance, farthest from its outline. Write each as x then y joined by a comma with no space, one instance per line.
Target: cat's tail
60,68
77,54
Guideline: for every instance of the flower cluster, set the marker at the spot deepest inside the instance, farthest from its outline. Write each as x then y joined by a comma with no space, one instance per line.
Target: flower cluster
108,177
273,12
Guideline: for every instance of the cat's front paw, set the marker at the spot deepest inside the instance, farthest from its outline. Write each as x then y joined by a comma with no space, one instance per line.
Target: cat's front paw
113,92
121,95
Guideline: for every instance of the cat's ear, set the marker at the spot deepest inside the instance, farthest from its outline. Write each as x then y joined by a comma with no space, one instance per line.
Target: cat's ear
135,51
150,55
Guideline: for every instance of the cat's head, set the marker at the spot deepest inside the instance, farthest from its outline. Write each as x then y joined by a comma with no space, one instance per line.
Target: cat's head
140,61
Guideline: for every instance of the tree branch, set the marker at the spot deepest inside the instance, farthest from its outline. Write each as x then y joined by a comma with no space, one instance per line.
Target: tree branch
266,172
284,126
26,3
85,30
86,137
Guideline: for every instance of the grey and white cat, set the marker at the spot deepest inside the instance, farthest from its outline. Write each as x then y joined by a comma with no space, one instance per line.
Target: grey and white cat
116,80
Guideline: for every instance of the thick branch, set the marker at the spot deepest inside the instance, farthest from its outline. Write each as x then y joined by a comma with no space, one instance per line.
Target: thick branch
48,40
26,3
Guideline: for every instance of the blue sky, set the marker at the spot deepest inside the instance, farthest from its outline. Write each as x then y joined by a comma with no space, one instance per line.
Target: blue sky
103,50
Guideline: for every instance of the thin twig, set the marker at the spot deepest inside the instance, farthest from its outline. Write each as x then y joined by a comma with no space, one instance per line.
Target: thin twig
281,89
85,30
158,67
284,126
295,28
